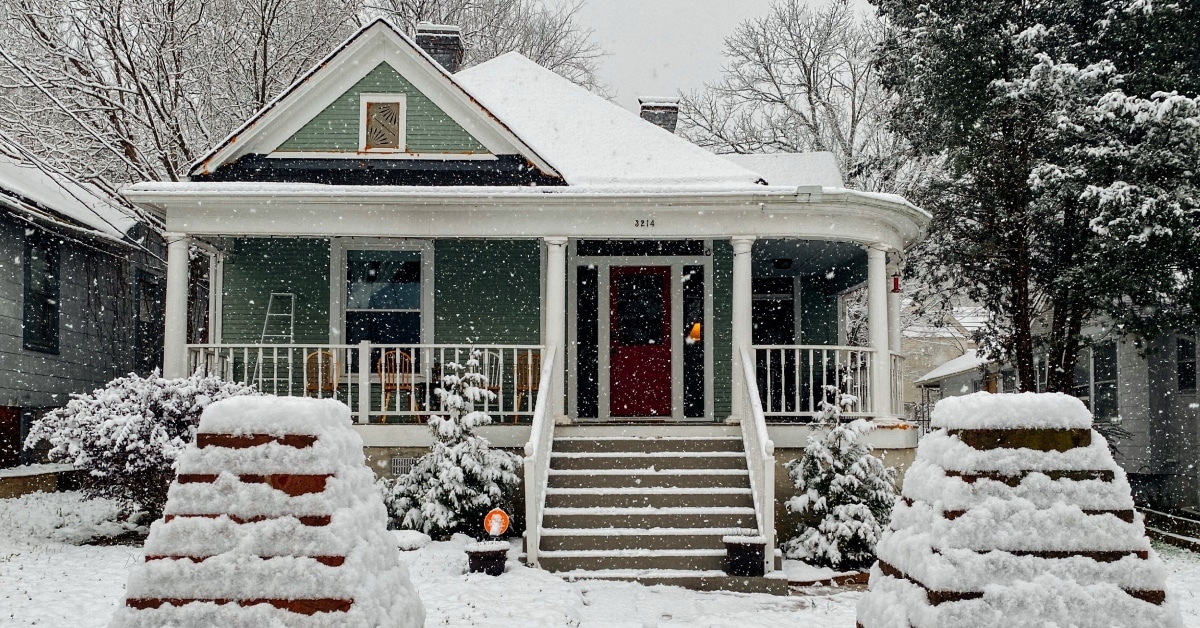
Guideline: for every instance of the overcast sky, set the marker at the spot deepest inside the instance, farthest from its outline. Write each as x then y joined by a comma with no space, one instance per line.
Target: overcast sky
659,47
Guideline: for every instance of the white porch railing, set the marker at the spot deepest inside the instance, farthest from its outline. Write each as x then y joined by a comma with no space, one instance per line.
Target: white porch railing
898,384
760,460
537,461
793,379
395,383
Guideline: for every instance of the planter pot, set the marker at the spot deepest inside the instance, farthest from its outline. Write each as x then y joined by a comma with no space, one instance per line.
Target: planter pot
487,557
745,556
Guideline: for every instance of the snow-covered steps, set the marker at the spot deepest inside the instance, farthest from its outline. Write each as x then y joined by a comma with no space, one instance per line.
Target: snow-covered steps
643,444
654,459
648,477
649,497
699,580
648,503
583,539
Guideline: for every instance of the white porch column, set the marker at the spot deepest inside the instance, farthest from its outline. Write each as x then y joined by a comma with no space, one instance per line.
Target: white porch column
742,319
556,319
894,305
175,313
877,328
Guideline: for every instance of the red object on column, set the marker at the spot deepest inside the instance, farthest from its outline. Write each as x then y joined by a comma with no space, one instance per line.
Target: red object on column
896,282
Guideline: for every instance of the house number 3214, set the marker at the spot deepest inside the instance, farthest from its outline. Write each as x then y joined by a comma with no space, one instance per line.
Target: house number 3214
644,222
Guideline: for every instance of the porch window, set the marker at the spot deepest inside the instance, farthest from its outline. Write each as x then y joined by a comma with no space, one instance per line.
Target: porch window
1186,350
42,306
383,297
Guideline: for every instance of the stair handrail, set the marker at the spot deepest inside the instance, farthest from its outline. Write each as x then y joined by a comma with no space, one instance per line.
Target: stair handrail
760,458
537,458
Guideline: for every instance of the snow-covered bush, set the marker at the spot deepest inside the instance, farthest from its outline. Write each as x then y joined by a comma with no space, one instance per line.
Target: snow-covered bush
844,494
126,435
453,486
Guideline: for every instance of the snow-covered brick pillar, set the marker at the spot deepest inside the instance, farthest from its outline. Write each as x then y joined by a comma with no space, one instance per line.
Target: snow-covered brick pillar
273,520
1015,515
556,317
742,318
877,330
176,309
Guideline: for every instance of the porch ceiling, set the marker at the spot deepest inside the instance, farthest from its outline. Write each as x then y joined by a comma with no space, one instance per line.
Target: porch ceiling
807,256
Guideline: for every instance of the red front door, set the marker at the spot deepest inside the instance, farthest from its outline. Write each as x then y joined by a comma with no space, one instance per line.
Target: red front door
640,341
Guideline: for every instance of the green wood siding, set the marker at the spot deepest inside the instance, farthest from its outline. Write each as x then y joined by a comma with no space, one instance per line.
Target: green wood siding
428,129
722,327
256,267
818,311
487,291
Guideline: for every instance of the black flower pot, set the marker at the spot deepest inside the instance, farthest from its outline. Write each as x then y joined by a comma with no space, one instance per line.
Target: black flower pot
487,557
745,556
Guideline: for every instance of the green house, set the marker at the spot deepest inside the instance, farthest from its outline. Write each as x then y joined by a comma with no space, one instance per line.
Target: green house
388,215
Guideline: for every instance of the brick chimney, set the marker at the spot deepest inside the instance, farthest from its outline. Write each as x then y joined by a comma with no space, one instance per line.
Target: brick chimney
661,111
443,43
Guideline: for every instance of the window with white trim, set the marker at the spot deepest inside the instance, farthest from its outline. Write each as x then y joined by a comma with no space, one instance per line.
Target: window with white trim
382,123
1096,380
383,296
1185,349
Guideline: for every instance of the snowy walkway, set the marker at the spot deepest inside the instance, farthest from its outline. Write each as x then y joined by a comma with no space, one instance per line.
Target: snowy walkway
51,584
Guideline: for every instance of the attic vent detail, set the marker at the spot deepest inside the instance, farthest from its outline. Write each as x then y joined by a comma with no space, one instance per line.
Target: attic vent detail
382,123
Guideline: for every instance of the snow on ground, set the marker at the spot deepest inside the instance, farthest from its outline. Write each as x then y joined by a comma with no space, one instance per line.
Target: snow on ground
47,583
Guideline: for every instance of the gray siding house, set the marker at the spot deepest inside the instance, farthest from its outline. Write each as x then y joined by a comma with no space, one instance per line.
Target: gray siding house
80,297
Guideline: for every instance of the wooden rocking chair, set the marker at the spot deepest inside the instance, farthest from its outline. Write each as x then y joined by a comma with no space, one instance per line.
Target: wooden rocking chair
396,375
321,373
527,376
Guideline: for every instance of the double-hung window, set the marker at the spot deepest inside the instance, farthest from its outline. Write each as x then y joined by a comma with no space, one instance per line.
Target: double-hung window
1096,380
41,293
383,296
1185,349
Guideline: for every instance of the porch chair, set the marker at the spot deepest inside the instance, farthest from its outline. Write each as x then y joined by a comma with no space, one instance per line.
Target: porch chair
321,373
528,372
395,375
490,367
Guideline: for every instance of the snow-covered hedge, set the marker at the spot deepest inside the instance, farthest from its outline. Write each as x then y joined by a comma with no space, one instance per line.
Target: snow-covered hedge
452,487
127,435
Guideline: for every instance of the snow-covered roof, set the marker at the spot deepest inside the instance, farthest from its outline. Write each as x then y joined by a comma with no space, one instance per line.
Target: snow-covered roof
793,169
590,141
963,363
38,188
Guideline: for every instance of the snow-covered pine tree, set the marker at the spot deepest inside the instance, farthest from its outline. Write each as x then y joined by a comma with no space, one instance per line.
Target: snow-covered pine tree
843,493
453,486
1071,188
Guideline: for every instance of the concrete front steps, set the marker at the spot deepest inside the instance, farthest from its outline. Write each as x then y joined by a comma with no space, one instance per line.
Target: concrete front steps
649,504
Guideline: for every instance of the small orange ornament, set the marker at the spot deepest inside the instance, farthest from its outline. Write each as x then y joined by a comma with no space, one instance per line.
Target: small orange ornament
495,522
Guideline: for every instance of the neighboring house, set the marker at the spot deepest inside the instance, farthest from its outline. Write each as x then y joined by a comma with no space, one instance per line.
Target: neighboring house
387,214
80,295
1150,391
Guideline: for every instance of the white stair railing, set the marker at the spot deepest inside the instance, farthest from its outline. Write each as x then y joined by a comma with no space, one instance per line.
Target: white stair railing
537,458
760,459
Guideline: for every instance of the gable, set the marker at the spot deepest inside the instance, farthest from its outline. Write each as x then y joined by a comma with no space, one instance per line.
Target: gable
309,133
428,129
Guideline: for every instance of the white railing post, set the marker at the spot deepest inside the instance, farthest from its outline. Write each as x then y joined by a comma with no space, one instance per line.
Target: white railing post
364,382
537,457
760,457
